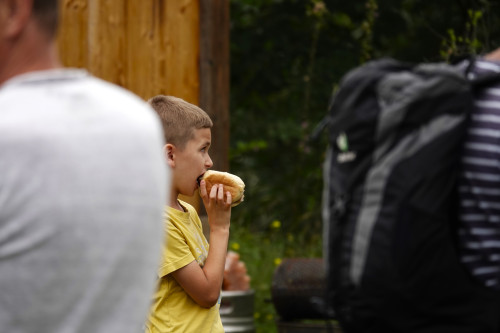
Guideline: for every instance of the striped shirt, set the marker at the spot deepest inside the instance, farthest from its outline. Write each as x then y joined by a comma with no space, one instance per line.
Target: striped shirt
479,184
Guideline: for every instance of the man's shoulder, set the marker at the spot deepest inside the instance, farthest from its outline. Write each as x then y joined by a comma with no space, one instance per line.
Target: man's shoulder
111,91
71,84
122,105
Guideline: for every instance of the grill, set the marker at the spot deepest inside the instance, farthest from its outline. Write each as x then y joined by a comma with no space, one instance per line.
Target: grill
298,292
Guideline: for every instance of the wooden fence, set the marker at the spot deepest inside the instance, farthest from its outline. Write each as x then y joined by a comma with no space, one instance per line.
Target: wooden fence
151,47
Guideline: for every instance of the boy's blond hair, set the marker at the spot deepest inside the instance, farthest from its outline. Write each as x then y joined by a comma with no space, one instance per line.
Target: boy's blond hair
179,118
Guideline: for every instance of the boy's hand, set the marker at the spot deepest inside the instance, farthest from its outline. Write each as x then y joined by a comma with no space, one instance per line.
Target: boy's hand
218,208
204,284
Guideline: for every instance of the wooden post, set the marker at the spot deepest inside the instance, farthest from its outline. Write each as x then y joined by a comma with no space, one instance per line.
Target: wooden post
214,80
107,41
214,68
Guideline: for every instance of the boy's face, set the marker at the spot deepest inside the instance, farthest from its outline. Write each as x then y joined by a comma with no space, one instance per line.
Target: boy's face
192,162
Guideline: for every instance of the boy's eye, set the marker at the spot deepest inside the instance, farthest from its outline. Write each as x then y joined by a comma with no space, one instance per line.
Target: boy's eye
204,149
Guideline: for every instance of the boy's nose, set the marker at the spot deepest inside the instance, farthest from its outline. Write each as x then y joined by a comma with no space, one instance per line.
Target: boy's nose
208,162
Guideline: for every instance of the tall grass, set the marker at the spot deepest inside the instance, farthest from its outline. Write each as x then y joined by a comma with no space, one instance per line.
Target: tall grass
262,251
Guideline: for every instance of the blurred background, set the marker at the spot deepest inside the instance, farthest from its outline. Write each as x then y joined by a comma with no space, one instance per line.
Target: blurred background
265,71
287,56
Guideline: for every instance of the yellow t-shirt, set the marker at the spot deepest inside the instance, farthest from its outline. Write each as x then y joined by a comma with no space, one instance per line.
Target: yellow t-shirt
173,310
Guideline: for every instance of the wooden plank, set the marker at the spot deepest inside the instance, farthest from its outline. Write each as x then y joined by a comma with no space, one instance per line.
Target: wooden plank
141,30
149,47
153,47
182,48
72,34
163,48
106,40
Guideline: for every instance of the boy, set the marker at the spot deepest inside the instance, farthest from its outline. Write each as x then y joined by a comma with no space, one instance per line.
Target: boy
190,274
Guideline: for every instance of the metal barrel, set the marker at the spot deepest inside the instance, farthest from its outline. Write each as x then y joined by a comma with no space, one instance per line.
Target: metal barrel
236,311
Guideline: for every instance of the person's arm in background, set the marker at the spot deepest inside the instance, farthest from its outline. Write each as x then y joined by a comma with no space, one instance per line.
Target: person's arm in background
494,55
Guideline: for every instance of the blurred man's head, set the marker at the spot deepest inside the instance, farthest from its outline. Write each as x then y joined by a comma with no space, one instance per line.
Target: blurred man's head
27,36
17,15
46,14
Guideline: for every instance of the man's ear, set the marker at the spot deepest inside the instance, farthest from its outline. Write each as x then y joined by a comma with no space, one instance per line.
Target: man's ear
169,151
14,16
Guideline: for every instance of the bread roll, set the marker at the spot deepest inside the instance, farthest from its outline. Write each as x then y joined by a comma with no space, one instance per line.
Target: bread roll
231,183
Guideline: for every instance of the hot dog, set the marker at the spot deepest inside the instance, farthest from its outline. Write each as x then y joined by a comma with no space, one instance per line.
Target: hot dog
231,183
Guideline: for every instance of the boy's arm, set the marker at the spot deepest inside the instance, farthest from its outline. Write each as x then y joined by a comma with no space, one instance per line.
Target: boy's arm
203,284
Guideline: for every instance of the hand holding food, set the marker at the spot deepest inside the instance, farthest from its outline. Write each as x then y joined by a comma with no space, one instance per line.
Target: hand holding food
231,183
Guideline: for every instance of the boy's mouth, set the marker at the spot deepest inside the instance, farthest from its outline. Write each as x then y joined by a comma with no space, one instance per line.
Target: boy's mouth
198,180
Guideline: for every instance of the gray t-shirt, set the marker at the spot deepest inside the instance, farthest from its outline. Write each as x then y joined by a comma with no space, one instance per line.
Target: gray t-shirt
83,183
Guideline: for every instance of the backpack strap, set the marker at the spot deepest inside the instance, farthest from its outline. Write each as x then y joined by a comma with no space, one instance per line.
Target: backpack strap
320,128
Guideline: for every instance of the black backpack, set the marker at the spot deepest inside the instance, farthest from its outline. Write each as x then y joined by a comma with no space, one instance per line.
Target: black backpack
395,135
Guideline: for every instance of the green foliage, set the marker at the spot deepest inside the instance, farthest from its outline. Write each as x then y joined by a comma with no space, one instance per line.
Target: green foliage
286,58
469,42
262,253
280,91
365,32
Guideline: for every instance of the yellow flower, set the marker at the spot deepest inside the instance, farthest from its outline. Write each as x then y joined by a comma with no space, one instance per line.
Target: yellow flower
235,246
277,261
289,237
269,317
276,224
256,315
